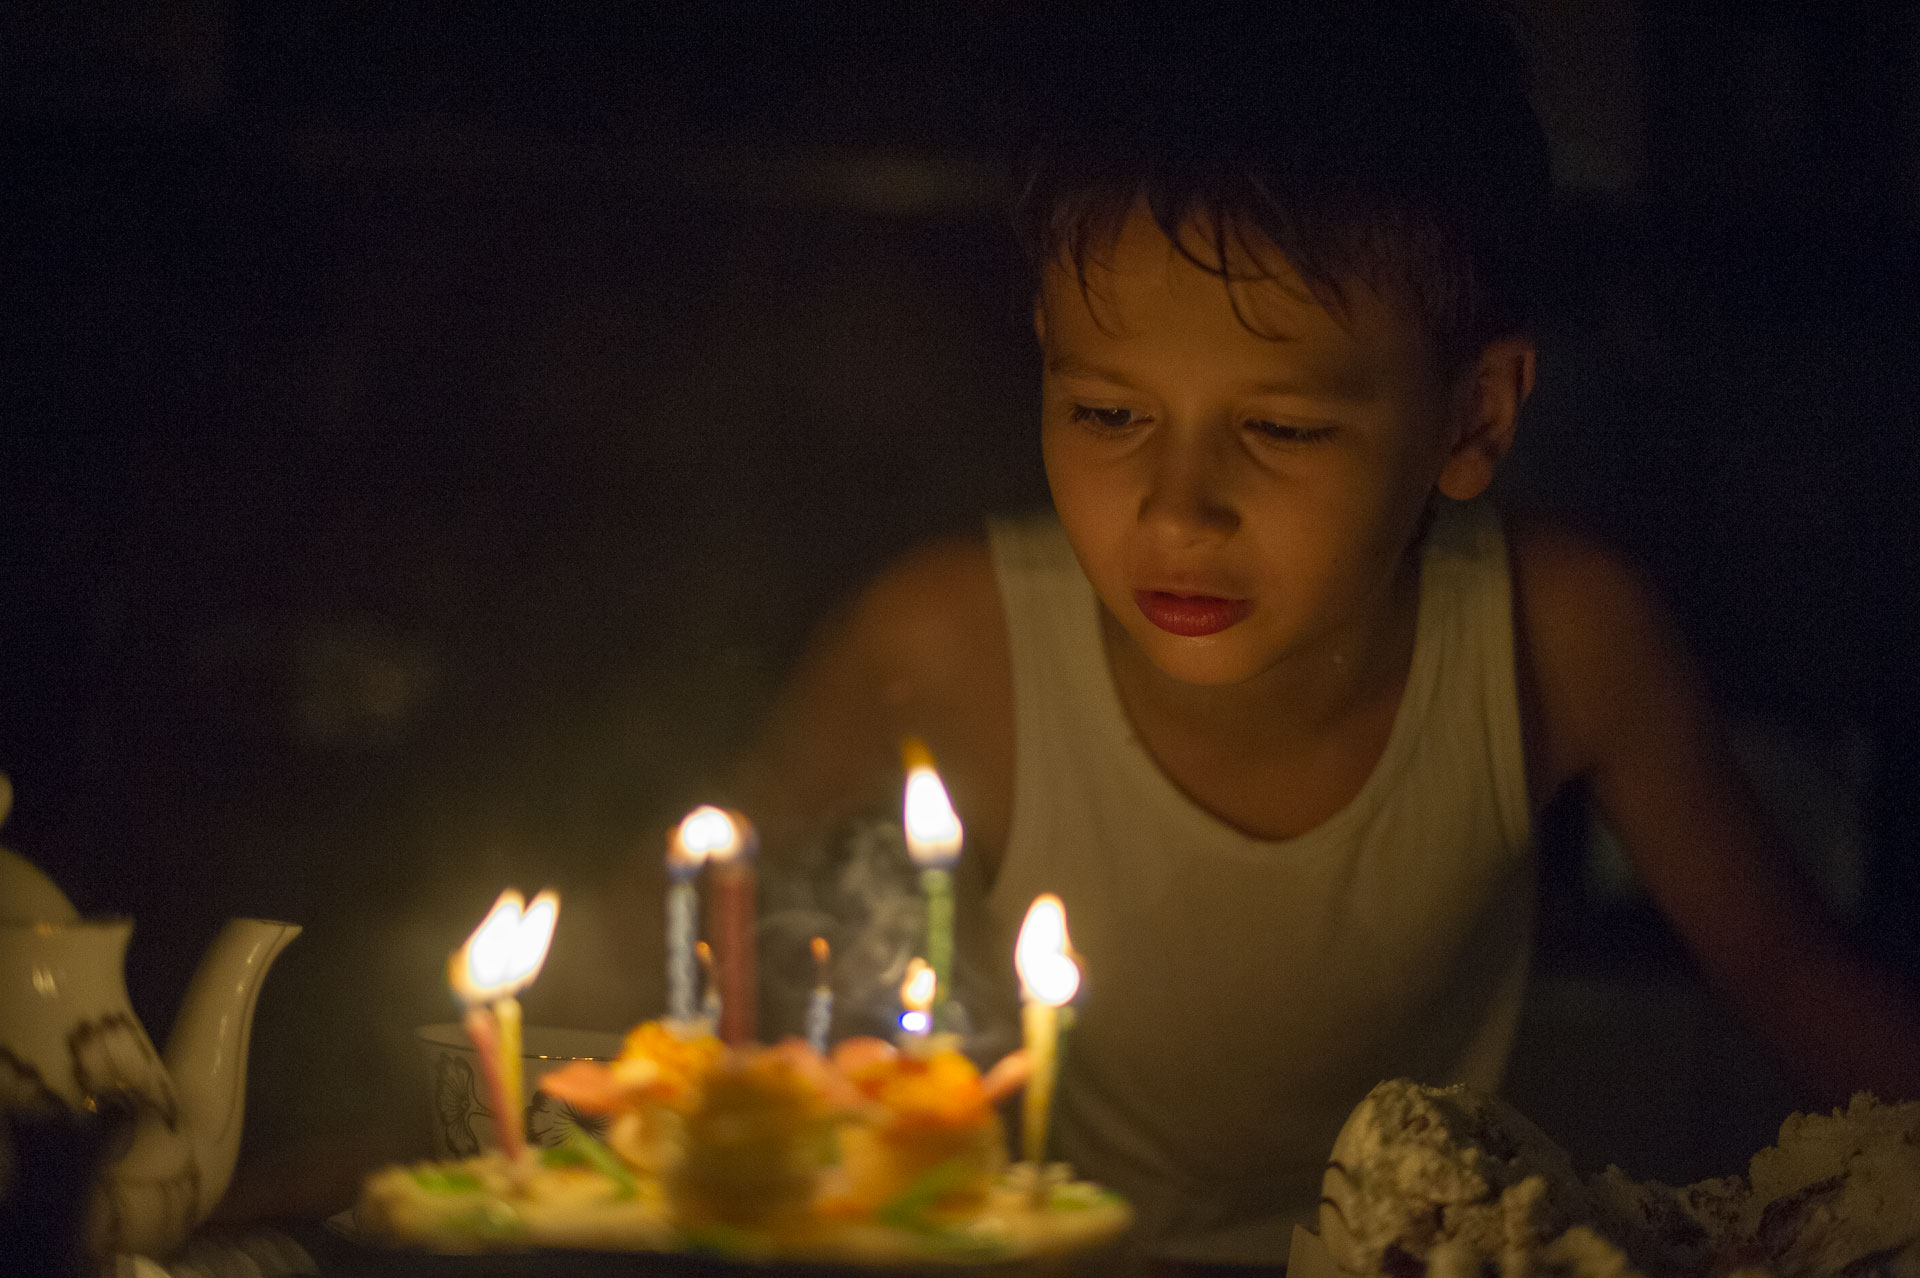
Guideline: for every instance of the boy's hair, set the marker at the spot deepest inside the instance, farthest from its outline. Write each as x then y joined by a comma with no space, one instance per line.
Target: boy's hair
1390,145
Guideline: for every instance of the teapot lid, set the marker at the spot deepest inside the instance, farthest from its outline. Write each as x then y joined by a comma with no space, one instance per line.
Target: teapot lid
27,895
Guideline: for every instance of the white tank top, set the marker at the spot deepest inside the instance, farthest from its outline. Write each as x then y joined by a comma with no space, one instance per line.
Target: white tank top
1241,995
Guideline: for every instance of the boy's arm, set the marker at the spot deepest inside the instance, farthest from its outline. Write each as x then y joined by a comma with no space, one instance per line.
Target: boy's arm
1617,702
922,651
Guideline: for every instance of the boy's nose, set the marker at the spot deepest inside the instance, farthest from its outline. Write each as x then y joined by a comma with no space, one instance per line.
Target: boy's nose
1187,497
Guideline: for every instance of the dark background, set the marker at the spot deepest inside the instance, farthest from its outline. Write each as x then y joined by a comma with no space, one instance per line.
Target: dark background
431,431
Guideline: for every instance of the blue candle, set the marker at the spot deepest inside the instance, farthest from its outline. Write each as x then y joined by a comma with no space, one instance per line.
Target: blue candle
681,905
820,1004
687,850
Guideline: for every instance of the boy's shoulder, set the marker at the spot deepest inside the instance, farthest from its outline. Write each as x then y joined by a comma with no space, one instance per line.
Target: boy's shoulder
1564,563
919,651
930,633
933,608
1595,646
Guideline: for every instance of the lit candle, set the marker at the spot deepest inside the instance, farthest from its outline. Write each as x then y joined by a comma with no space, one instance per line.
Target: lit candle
499,960
820,1004
733,910
933,842
687,850
710,1000
916,996
1048,979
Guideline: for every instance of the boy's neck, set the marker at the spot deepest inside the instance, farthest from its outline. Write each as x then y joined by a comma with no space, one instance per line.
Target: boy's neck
1293,706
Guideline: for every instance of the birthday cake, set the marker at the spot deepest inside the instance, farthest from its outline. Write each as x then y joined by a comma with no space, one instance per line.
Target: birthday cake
870,1154
1454,1182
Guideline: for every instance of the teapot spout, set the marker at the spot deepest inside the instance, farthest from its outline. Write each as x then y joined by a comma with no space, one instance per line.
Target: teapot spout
207,1051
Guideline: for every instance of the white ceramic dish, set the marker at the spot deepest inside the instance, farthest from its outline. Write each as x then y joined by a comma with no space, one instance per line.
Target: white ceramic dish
461,1120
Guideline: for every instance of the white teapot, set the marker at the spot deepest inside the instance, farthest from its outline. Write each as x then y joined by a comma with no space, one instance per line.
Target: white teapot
68,1038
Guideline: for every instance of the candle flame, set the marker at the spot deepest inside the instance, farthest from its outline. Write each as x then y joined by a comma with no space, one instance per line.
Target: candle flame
820,953
1043,956
506,951
916,992
706,833
933,828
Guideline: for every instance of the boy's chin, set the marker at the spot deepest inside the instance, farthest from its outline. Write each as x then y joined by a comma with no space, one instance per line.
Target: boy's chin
1217,661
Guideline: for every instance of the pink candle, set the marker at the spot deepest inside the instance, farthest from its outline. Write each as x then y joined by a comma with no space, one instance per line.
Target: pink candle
499,960
731,924
484,1031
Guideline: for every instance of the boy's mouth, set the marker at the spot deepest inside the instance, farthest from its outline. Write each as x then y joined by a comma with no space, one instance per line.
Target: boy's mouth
1190,615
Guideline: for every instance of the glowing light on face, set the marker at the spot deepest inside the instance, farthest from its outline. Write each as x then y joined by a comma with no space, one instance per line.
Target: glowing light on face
507,950
1043,956
1243,495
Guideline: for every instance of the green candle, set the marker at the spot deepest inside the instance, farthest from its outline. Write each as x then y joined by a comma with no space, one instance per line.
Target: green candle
933,841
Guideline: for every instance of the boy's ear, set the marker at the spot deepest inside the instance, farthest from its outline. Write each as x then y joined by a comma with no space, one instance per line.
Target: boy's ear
1040,321
1485,408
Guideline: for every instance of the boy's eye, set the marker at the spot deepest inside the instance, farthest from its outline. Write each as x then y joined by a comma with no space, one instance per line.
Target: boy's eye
1103,418
1284,433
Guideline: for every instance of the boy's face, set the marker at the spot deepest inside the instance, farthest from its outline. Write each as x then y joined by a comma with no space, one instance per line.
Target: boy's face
1236,499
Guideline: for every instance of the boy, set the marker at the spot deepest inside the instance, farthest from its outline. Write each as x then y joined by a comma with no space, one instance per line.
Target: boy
1272,698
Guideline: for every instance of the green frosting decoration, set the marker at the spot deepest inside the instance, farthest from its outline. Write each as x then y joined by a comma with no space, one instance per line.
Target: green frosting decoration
908,1211
486,1220
724,1240
1079,1196
577,1149
449,1180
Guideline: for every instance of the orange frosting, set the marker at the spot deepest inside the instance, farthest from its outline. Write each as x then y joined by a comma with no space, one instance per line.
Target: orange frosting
683,1063
941,1090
